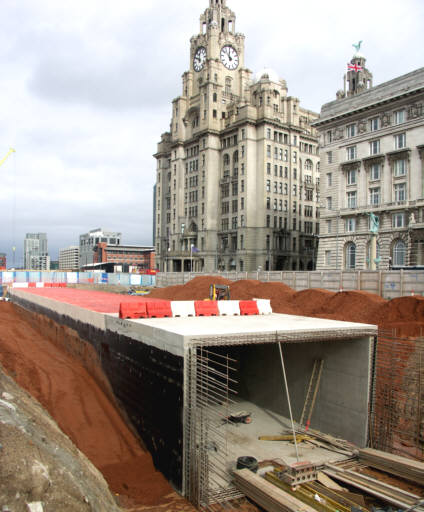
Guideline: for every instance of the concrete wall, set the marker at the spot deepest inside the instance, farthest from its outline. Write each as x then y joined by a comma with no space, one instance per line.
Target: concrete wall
341,407
387,283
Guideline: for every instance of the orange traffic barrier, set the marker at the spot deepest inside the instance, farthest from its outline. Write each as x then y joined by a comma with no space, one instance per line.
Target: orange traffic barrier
206,308
132,310
159,309
248,307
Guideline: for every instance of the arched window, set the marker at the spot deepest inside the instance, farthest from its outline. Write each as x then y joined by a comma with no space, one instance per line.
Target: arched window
215,97
399,253
226,159
350,255
309,165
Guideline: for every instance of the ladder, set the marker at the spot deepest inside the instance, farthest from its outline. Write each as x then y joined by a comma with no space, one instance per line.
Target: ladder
312,392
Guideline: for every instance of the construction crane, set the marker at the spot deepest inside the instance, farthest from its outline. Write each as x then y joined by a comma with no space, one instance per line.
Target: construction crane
11,150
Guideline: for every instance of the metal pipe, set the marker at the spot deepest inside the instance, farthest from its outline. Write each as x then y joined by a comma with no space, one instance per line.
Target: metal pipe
288,400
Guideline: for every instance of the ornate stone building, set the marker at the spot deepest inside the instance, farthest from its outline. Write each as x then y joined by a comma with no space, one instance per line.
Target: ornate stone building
372,156
238,172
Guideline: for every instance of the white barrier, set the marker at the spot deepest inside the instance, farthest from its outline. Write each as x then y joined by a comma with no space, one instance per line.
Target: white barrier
183,308
229,307
264,306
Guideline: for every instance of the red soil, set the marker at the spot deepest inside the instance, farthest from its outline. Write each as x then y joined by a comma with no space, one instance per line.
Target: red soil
82,409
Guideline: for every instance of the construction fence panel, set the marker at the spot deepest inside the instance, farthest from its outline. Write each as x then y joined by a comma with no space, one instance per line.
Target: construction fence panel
387,283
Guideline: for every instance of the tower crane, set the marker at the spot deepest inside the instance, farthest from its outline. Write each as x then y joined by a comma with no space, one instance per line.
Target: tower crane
11,150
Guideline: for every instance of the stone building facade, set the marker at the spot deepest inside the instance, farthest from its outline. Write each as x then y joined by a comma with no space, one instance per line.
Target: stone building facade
238,172
372,174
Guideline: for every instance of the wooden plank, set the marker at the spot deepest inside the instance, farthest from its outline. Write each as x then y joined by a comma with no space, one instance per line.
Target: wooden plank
267,495
328,482
395,464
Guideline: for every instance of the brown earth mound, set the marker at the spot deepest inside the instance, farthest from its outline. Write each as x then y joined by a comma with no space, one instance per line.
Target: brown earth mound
403,316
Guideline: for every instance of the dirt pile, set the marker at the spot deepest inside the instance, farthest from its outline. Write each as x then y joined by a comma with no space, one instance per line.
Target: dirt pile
403,316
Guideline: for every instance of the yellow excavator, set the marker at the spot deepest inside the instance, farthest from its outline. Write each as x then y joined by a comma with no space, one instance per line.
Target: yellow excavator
219,292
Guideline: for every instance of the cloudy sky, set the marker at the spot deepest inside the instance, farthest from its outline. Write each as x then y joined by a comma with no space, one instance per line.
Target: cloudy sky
86,89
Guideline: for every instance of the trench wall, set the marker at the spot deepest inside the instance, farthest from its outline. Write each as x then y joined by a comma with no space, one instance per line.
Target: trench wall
341,407
147,383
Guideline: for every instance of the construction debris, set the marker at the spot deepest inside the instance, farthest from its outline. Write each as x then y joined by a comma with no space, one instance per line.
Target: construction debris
393,495
267,495
405,468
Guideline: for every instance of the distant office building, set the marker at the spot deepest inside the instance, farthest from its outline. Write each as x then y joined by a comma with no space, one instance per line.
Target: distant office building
54,265
36,255
2,261
89,240
129,257
69,258
372,168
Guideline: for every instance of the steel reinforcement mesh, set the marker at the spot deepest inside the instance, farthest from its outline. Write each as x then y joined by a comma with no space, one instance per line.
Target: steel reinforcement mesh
396,410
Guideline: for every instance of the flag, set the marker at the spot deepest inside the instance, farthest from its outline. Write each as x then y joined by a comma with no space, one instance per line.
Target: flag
354,67
194,248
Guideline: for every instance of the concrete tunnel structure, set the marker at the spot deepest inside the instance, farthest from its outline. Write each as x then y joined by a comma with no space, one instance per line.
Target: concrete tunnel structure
178,378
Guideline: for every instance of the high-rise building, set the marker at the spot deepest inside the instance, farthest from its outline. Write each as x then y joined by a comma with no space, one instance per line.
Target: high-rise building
89,240
238,173
3,258
69,258
372,172
36,256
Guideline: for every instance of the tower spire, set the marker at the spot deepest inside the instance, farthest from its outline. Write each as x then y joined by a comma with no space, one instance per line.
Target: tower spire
358,78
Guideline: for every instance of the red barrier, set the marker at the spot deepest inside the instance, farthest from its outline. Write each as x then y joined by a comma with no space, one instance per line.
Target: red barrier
248,307
159,309
206,308
31,285
133,310
48,285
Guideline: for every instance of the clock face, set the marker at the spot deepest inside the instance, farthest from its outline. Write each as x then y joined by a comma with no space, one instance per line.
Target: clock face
199,59
229,57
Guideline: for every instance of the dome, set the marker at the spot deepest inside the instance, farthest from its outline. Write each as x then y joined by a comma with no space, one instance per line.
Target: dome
268,74
358,55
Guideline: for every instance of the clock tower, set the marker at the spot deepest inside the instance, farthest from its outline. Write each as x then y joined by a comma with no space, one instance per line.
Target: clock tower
226,194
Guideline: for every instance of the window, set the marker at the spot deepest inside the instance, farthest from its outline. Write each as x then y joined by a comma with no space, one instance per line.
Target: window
329,203
400,141
351,153
400,192
351,199
268,221
374,124
399,117
399,253
280,205
308,165
329,179
350,130
329,136
275,187
328,226
268,151
350,225
350,255
275,170
375,196
400,167
328,259
268,185
330,157
375,172
268,133
374,147
351,177
398,220
268,203
294,157
275,204
280,188
268,168
295,190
